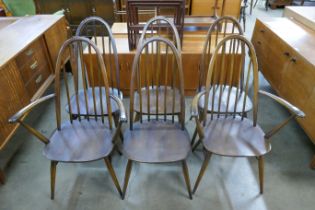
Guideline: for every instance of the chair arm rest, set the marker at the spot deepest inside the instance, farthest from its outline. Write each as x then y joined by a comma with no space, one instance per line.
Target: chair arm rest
122,111
296,111
194,105
17,116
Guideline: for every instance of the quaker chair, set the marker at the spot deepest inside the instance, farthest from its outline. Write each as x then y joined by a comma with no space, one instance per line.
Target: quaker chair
234,135
85,139
221,28
157,137
158,27
100,33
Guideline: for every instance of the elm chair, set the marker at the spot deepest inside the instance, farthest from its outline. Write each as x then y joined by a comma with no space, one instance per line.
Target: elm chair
158,27
221,28
157,137
100,33
234,135
86,139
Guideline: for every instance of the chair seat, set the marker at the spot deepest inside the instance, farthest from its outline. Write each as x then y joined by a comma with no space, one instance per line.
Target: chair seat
90,110
156,142
235,137
80,142
224,106
165,103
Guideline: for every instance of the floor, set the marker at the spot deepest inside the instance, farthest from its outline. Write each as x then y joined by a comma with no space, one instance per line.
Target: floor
229,183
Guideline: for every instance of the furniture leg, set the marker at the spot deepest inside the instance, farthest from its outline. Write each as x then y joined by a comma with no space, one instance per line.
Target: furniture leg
53,166
313,163
127,175
202,170
196,145
2,177
113,175
194,138
261,173
186,176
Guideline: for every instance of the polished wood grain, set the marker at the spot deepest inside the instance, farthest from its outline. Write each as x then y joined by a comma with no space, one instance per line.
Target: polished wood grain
291,75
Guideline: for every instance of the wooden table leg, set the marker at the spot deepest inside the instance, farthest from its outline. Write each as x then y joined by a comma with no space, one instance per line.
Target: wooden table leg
2,177
312,165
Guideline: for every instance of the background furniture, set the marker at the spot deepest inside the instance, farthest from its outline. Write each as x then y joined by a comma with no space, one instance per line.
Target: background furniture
77,10
31,47
292,73
278,3
19,7
82,140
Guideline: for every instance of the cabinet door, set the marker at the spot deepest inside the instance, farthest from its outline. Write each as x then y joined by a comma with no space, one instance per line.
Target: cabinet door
104,9
78,10
49,7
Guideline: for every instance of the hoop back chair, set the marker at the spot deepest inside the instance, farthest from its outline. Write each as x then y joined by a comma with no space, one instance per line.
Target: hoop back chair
85,139
91,27
232,134
157,137
158,27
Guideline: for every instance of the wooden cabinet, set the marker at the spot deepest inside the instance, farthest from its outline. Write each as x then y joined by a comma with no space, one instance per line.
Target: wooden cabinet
76,11
26,69
285,51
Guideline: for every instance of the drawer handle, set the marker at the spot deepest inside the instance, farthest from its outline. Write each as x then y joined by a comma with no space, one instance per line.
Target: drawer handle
286,54
39,79
293,60
29,52
262,31
34,65
93,10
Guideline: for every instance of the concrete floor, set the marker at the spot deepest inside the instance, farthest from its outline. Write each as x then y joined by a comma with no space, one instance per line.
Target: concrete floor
229,183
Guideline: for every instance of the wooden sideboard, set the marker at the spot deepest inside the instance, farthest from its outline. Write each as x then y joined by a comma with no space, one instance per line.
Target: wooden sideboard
29,47
285,49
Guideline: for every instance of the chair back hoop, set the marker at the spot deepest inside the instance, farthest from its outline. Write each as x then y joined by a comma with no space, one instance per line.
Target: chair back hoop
99,31
229,85
156,23
222,27
157,75
74,47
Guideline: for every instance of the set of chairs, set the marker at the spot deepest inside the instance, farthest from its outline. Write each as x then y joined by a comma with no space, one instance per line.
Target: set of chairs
157,133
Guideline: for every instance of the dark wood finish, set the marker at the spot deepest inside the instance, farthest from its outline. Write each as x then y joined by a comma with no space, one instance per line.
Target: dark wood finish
279,3
127,176
261,173
2,12
176,7
312,165
187,179
156,139
26,68
76,11
232,134
113,175
82,140
202,170
53,169
2,177
291,75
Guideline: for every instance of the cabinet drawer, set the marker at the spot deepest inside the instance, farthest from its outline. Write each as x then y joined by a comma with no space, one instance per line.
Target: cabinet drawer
37,80
30,53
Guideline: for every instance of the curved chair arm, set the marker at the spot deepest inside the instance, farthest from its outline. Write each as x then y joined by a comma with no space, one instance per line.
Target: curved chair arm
25,110
18,117
194,105
296,112
122,111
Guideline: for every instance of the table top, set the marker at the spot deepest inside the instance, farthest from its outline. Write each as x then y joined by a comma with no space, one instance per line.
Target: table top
302,14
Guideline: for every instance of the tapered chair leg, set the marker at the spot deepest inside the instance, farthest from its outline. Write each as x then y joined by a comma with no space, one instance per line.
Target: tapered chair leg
187,179
127,175
113,175
53,167
312,165
196,145
194,137
2,177
202,170
261,173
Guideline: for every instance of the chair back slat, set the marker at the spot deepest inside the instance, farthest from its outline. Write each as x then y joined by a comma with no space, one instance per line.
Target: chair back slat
221,86
153,78
100,33
222,27
79,86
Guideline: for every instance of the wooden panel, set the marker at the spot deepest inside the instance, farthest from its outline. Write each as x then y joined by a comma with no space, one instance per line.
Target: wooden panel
13,96
309,121
205,7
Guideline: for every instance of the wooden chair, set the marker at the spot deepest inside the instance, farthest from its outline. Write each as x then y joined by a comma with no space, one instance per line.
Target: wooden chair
157,137
234,135
92,27
158,27
81,140
221,28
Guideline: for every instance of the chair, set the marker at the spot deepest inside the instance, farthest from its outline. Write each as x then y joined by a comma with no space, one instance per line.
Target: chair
81,140
157,137
157,27
100,33
235,135
221,28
